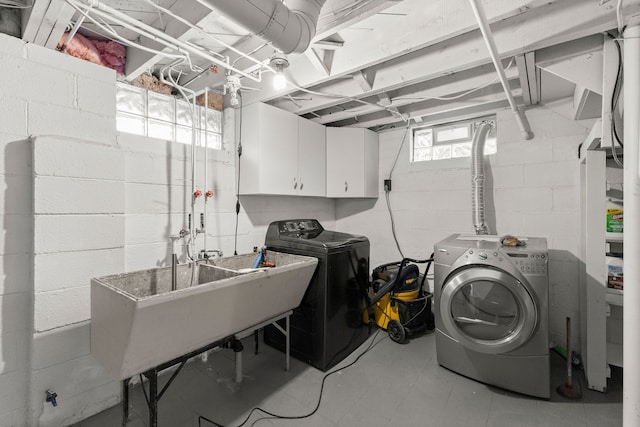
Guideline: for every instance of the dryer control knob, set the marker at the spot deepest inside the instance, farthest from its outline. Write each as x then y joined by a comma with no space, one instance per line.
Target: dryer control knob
482,255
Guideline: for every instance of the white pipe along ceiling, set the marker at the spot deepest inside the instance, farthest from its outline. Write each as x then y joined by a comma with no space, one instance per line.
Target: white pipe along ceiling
359,63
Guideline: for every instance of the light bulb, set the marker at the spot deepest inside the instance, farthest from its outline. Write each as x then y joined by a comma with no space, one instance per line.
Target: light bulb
279,81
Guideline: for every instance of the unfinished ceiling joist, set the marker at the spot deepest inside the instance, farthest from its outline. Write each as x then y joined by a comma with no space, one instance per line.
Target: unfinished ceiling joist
529,78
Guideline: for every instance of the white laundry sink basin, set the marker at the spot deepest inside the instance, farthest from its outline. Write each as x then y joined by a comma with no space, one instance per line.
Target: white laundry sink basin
138,322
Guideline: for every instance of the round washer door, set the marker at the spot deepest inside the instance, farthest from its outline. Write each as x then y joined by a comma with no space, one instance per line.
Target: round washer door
487,310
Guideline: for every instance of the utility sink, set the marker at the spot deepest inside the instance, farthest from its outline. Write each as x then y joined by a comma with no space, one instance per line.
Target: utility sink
138,322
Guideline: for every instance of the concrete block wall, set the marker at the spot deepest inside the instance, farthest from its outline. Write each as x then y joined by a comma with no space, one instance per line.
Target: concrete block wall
98,203
78,193
158,202
532,190
43,92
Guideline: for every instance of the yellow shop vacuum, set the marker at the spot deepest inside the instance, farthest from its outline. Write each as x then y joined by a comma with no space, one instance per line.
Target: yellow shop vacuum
398,301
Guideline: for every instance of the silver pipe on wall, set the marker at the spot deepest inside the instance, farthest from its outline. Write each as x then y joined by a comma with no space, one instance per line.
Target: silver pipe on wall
289,28
477,178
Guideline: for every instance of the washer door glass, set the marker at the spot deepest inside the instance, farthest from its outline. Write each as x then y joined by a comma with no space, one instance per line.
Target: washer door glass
488,310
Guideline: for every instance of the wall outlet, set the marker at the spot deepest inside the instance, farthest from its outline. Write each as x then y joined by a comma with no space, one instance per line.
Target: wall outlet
387,185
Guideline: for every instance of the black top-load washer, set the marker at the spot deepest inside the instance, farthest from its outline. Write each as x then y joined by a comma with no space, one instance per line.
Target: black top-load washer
328,325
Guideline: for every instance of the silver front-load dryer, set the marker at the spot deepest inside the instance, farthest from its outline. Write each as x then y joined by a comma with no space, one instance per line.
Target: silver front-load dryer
491,310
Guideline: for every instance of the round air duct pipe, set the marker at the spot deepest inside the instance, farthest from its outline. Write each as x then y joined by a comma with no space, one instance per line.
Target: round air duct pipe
289,27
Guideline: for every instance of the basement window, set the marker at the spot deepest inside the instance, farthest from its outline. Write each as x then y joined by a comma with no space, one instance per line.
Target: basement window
152,114
450,140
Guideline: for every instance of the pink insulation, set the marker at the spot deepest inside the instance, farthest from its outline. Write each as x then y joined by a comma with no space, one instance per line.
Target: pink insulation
113,54
106,53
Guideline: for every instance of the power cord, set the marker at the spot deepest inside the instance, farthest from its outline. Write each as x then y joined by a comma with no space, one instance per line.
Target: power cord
235,236
387,190
298,417
615,96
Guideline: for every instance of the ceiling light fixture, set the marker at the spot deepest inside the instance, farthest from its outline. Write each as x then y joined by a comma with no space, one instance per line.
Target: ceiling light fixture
279,62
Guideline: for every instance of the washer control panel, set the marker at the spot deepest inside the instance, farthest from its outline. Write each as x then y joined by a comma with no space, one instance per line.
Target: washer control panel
530,263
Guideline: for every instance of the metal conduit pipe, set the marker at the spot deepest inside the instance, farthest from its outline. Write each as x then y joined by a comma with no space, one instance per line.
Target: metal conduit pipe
289,28
477,178
192,228
493,52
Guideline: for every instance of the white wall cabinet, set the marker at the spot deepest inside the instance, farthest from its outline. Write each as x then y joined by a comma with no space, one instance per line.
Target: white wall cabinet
352,163
312,158
601,307
282,154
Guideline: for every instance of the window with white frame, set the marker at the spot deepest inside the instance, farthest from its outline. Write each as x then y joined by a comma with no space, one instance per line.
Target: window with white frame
148,113
450,140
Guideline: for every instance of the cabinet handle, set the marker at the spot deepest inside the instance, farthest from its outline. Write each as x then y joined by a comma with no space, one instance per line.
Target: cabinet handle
295,184
346,186
301,184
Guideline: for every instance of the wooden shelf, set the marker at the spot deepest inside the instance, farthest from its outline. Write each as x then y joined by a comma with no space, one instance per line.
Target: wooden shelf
615,297
614,354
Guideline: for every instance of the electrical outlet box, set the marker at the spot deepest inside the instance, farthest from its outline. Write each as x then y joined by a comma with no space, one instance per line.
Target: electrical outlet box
387,185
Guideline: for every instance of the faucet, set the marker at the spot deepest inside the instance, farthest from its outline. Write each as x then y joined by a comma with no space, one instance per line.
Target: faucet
51,397
210,253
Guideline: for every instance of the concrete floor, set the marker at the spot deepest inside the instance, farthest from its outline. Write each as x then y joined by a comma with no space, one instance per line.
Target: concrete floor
391,385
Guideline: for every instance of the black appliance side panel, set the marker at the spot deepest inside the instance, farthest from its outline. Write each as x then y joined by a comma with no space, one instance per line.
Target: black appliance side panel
306,333
328,324
347,280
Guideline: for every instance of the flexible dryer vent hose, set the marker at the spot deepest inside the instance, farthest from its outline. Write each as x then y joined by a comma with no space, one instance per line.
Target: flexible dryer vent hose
477,177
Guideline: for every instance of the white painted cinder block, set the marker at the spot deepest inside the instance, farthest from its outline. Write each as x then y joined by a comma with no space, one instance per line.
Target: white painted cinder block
61,345
16,190
505,177
552,224
146,228
16,109
51,58
527,152
13,391
33,82
11,46
60,233
528,200
65,157
556,174
14,345
47,119
16,234
566,148
151,255
146,168
15,270
157,199
566,199
56,271
53,195
15,417
97,96
15,155
71,380
131,143
63,307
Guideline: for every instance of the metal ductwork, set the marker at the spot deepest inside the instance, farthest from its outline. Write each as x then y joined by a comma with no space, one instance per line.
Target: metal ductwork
289,27
477,177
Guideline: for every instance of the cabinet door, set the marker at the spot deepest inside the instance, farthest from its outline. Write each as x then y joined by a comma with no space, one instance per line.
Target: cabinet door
345,162
312,155
278,151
